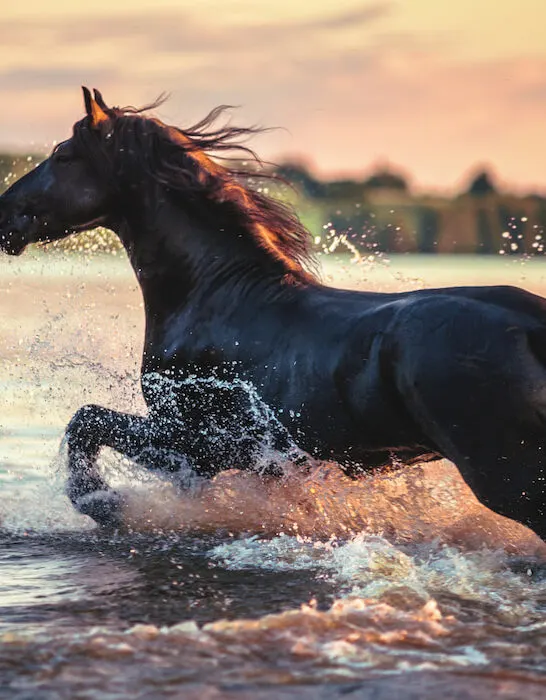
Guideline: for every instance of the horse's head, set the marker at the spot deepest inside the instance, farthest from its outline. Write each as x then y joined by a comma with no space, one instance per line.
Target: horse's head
121,166
66,193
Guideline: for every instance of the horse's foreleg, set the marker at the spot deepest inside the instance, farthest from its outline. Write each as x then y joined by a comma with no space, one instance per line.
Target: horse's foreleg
91,428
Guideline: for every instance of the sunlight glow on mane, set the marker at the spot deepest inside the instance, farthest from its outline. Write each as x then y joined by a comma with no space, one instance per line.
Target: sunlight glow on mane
182,160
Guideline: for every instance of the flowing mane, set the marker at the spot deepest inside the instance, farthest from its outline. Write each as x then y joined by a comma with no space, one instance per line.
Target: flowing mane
186,161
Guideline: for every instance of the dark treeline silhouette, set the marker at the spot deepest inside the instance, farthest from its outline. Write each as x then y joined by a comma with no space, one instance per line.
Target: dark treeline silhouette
299,175
381,212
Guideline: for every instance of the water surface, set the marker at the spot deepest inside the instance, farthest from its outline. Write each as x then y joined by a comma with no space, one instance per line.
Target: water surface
310,587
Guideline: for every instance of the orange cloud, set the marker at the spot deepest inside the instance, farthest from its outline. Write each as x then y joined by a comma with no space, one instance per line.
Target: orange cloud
349,92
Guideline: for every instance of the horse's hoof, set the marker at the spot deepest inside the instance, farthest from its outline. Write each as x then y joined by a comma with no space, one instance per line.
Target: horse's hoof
103,506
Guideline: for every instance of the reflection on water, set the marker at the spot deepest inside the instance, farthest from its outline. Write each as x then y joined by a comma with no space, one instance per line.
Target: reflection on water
244,587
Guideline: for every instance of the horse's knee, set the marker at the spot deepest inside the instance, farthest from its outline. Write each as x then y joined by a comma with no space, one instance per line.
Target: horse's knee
82,430
84,416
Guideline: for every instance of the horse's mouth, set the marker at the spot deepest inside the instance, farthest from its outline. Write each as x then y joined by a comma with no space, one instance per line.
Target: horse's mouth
12,244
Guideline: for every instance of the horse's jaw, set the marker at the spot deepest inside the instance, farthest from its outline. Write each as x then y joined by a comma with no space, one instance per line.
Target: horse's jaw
15,239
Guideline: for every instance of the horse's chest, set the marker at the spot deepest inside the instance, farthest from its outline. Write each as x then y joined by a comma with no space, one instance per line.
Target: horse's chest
216,421
225,380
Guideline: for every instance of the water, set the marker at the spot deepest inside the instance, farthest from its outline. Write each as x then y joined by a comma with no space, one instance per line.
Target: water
397,586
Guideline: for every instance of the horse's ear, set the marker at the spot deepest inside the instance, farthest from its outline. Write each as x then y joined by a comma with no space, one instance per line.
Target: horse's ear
100,101
97,116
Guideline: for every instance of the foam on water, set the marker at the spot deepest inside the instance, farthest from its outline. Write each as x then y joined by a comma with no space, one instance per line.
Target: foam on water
372,567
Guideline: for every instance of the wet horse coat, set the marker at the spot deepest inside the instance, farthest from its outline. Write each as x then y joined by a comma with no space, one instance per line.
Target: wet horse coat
249,361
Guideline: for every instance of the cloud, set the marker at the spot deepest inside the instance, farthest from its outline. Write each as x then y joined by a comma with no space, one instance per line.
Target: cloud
180,31
348,91
23,79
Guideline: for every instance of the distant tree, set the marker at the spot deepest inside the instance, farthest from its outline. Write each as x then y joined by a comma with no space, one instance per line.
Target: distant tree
387,180
481,184
297,174
485,243
428,229
343,189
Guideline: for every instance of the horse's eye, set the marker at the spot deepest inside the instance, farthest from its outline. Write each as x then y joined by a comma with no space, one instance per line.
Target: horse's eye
65,155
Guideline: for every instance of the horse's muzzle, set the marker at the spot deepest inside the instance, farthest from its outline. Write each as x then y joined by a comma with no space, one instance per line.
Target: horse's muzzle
12,242
14,229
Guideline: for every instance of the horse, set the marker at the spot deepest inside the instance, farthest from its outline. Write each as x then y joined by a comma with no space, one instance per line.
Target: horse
249,360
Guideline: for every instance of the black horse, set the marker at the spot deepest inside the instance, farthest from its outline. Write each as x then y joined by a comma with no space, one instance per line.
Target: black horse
247,355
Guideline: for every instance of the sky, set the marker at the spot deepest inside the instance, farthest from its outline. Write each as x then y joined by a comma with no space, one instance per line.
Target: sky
434,89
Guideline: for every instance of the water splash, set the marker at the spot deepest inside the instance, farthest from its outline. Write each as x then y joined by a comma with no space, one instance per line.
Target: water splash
426,503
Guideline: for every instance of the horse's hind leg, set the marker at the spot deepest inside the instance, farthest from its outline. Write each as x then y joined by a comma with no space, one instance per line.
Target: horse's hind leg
484,407
91,428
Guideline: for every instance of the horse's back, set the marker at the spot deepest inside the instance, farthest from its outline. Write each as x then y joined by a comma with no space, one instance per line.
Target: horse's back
508,297
476,334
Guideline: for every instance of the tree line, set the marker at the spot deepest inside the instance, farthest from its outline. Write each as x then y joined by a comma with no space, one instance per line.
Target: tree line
381,213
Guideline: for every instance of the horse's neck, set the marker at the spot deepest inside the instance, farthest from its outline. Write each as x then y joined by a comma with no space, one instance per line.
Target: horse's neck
177,257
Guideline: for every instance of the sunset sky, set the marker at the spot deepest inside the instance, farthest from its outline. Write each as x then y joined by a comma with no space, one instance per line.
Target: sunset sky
431,87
